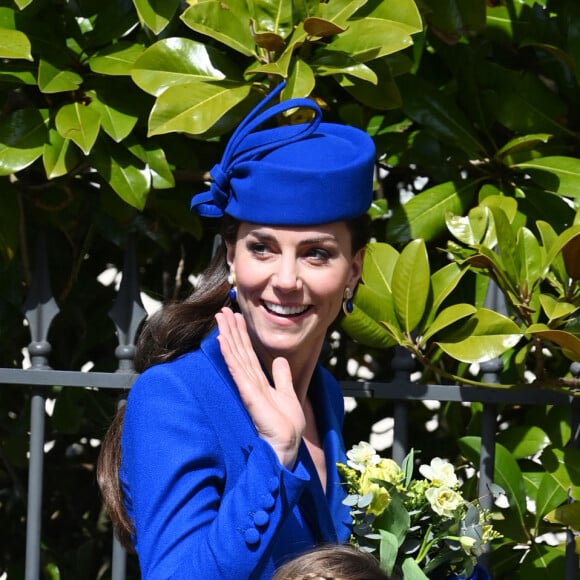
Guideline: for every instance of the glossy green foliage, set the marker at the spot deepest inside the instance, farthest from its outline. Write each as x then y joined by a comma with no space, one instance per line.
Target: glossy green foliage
113,112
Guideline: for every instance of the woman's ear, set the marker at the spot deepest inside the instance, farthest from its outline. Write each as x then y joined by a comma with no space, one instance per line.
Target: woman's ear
230,253
357,266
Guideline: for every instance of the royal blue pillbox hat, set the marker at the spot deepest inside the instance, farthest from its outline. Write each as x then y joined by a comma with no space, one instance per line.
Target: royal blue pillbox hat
303,174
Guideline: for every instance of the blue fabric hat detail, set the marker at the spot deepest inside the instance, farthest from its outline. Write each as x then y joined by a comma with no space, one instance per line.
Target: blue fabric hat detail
303,174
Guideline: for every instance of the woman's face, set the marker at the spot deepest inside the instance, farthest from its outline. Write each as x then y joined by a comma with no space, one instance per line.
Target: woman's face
290,283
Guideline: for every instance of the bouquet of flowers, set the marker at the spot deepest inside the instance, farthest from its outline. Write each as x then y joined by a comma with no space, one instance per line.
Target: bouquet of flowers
419,528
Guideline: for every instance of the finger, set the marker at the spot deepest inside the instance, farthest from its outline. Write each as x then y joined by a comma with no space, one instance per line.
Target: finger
282,375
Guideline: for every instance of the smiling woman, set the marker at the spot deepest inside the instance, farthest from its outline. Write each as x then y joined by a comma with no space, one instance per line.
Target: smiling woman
223,464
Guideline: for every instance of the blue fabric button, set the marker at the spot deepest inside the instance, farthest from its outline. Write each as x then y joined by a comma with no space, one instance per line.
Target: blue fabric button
252,536
268,502
273,485
261,518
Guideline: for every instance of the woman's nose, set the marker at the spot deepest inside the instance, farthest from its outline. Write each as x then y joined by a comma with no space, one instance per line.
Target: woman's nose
286,277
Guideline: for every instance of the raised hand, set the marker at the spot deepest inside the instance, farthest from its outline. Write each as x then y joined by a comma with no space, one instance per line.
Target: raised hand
276,412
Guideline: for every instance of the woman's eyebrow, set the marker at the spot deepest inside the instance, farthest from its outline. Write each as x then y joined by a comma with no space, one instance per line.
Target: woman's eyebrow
317,239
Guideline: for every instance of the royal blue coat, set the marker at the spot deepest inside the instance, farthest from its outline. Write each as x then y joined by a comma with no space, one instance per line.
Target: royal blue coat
208,497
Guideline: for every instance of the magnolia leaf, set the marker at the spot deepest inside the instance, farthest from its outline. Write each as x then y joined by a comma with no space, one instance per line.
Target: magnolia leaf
130,180
403,11
469,229
378,266
22,137
570,344
506,246
371,38
154,157
320,27
53,79
156,14
410,284
557,174
571,255
508,475
363,324
195,107
531,260
117,59
116,120
80,124
59,156
300,82
423,216
552,260
544,561
564,466
14,44
227,23
549,496
175,61
555,309
269,41
443,282
339,11
567,515
568,236
446,318
482,337
523,143
326,62
523,441
508,205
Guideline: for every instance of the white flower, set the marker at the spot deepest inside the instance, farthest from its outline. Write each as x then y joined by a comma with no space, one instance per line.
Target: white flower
440,472
362,455
444,501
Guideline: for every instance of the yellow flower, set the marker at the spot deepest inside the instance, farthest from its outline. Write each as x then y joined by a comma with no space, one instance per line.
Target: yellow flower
444,501
381,496
440,472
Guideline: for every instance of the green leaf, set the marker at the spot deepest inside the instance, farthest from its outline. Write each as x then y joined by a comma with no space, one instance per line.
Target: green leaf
469,229
154,157
117,59
567,515
194,108
549,496
447,317
10,219
523,143
388,550
531,260
570,344
176,61
301,81
423,216
443,282
378,266
156,14
523,441
22,138
484,336
556,174
118,118
226,23
412,570
130,179
14,44
403,12
364,324
80,124
340,11
371,38
507,474
52,78
439,115
543,561
564,465
59,156
410,284
506,245
554,308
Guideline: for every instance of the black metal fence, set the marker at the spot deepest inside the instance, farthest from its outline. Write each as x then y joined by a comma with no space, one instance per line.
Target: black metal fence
128,313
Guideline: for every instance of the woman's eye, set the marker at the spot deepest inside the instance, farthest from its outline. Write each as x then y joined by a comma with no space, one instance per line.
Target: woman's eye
258,248
319,254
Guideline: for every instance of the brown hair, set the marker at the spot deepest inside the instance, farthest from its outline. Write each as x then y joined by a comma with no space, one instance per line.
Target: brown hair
176,329
332,562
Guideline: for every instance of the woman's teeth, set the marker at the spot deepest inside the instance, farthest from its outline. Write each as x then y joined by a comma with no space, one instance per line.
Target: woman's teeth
285,310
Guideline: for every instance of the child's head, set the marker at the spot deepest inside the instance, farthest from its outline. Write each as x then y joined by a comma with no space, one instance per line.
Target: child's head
333,562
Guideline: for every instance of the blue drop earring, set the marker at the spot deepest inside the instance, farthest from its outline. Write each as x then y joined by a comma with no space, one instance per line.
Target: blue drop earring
233,293
347,306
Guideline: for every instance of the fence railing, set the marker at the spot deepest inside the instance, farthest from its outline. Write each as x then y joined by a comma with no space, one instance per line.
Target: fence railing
128,313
